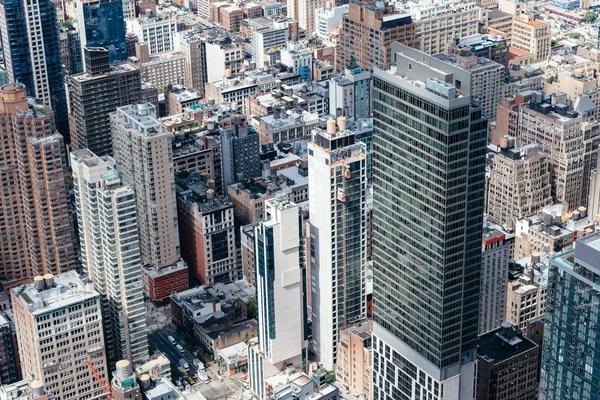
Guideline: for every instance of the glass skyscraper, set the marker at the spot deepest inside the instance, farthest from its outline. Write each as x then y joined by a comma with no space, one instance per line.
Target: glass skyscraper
571,355
429,144
103,26
32,53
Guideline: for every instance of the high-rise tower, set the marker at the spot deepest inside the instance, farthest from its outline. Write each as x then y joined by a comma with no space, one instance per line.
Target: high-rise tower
103,25
110,252
337,176
281,293
32,53
429,143
38,230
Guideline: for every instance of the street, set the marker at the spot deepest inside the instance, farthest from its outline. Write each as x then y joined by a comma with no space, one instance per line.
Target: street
159,330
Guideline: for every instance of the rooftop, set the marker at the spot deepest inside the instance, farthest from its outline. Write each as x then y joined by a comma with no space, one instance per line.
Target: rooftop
56,292
503,344
115,69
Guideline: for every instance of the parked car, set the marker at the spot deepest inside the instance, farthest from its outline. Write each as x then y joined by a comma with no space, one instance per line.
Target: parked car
172,340
180,349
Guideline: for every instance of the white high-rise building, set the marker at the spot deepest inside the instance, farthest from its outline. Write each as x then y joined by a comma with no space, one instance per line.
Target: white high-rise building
303,11
337,176
110,251
59,327
495,256
280,269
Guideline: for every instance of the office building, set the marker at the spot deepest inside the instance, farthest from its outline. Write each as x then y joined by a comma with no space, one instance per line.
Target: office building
367,33
350,93
486,76
31,50
527,290
104,202
571,354
70,50
557,130
281,281
532,36
194,51
207,230
267,34
507,365
438,23
94,95
518,183
101,24
164,69
157,31
426,318
143,151
39,235
354,367
240,154
337,175
495,254
65,304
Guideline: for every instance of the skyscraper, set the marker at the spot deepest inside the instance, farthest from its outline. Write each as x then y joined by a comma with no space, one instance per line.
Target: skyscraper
102,25
143,151
59,327
95,94
280,291
337,176
110,252
428,165
32,53
571,356
39,235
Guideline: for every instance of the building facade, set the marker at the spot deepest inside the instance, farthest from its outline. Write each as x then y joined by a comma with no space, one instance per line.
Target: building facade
494,278
354,367
93,96
367,33
507,365
106,211
61,312
280,292
31,50
571,353
102,24
431,348
337,175
518,184
350,93
143,152
36,213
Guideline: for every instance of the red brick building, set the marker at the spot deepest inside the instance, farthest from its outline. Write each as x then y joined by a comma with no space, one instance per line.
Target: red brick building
161,283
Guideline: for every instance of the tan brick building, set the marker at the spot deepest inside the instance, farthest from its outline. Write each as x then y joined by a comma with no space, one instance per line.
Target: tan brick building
355,359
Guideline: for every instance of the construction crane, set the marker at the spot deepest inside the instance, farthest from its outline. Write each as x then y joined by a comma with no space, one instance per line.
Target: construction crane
104,384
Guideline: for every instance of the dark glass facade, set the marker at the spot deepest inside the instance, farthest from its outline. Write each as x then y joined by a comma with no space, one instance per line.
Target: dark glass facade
429,179
105,27
571,352
20,25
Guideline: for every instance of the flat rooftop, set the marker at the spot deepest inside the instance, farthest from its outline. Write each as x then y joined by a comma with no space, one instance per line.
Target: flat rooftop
68,288
493,346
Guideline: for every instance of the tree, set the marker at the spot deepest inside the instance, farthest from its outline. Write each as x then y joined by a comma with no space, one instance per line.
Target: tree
574,35
67,25
329,376
251,308
589,16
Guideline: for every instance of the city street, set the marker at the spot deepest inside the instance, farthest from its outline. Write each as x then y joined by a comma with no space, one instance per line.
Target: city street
159,330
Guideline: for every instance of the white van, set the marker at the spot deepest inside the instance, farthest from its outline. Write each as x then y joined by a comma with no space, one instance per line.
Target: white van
172,340
180,349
